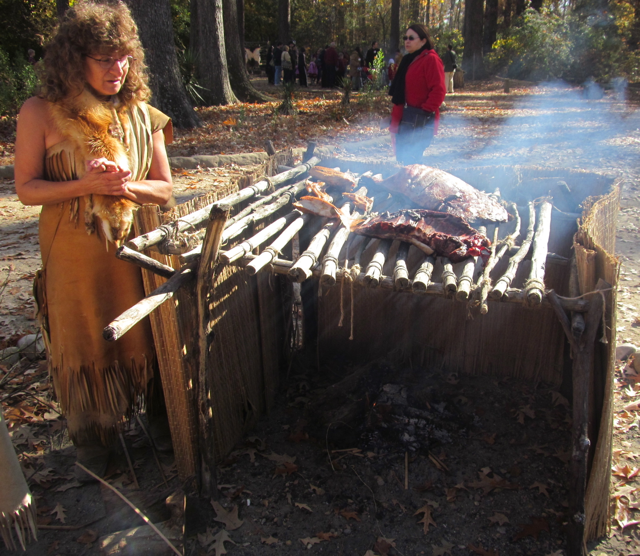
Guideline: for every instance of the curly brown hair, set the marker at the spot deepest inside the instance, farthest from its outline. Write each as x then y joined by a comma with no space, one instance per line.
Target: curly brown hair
90,28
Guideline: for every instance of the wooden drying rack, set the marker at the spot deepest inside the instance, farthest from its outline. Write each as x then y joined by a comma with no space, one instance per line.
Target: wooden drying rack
322,259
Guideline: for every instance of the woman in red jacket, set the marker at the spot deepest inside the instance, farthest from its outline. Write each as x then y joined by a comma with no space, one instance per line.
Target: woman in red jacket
418,85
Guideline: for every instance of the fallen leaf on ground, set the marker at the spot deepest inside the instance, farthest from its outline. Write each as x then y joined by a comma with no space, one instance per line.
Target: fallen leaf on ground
286,470
349,515
303,507
325,536
542,489
384,545
67,486
59,512
442,550
310,541
533,529
500,519
88,537
219,540
426,518
269,540
206,538
228,517
625,471
317,490
525,411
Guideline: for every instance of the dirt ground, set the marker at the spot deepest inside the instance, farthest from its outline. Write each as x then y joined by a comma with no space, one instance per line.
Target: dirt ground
486,474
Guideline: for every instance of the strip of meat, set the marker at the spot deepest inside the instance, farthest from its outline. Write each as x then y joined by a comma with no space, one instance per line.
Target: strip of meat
333,178
444,234
435,189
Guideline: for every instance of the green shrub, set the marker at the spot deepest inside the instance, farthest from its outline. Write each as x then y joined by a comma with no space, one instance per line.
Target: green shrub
537,47
18,81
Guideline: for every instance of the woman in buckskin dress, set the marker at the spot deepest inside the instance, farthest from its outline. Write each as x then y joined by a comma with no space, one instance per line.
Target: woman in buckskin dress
89,150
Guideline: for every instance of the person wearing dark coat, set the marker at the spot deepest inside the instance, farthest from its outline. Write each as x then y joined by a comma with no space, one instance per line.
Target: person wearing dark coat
371,54
329,66
450,65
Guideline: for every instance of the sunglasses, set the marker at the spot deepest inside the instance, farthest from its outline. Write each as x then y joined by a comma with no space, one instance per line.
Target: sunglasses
407,38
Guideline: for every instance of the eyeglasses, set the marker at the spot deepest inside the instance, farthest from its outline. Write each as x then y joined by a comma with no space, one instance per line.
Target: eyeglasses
108,62
407,38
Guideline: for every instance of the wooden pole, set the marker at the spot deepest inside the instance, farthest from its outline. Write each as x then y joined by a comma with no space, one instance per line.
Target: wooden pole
485,281
302,268
206,278
125,254
118,327
535,284
250,244
373,273
278,245
192,220
422,278
290,191
449,279
504,282
400,271
470,269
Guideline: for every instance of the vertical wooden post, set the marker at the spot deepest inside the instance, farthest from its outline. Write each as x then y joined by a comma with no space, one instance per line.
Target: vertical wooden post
206,276
582,351
171,349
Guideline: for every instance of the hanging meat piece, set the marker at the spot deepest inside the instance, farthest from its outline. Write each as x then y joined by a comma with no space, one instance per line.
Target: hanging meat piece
444,234
434,189
333,178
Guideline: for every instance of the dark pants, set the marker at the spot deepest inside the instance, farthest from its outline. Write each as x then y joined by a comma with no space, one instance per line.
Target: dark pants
288,76
411,144
270,74
329,76
302,76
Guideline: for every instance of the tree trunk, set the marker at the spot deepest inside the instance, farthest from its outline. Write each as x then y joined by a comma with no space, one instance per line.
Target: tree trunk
156,34
508,9
234,45
414,11
284,21
472,61
634,40
61,7
536,5
211,53
490,24
394,39
240,14
519,7
427,14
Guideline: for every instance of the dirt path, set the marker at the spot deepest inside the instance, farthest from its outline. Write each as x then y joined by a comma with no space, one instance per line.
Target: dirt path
496,486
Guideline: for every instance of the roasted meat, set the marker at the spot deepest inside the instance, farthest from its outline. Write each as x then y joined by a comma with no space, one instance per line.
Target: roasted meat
333,178
434,189
434,232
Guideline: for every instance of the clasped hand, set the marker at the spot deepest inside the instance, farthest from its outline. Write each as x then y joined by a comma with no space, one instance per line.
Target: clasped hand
105,177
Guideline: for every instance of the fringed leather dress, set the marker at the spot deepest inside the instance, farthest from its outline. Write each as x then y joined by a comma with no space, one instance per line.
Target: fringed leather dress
82,287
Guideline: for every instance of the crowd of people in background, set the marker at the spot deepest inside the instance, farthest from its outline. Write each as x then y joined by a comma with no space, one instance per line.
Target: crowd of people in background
327,67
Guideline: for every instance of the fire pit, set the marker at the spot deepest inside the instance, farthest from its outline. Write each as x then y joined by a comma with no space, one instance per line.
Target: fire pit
541,308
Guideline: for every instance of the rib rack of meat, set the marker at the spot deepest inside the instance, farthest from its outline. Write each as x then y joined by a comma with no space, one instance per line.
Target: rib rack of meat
433,232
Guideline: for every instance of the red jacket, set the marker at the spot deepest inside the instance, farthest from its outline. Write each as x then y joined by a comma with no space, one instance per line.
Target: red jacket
424,87
330,57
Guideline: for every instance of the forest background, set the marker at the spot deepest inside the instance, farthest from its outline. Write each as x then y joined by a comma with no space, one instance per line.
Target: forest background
195,48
